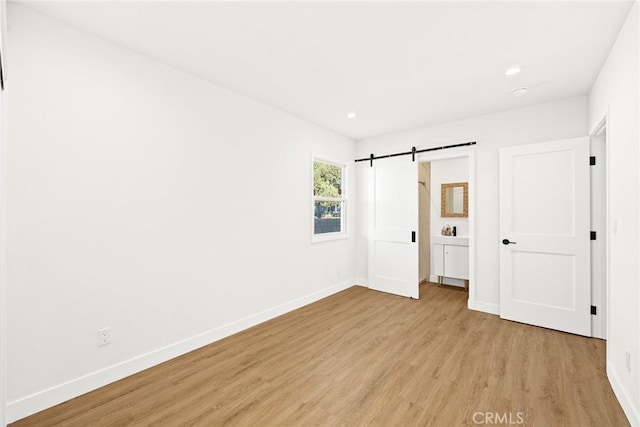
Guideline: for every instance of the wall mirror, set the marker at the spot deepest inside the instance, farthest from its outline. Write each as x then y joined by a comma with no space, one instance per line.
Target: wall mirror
455,200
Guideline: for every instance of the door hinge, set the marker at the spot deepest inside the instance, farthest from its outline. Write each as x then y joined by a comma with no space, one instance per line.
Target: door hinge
1,74
593,235
413,237
594,310
592,161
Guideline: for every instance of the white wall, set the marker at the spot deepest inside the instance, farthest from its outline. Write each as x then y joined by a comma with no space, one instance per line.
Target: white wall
545,122
615,94
150,201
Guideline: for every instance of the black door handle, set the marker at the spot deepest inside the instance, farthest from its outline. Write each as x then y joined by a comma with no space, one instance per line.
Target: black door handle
507,242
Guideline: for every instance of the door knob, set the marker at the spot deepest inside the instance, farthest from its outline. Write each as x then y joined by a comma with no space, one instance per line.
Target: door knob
507,242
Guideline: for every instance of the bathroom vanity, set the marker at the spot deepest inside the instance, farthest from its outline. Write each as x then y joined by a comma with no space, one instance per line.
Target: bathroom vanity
451,258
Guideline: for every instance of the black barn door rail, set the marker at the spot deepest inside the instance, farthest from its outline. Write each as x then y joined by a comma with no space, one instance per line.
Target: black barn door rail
413,152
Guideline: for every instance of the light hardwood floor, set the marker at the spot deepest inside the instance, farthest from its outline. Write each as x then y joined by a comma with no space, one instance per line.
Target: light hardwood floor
363,357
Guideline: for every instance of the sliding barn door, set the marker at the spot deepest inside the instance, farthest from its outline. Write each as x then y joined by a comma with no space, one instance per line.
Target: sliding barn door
545,268
393,250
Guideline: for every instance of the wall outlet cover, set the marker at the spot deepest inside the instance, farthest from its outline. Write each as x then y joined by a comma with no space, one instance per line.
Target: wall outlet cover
104,336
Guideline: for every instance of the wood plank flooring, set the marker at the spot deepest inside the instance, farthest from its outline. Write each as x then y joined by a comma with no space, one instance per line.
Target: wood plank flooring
363,357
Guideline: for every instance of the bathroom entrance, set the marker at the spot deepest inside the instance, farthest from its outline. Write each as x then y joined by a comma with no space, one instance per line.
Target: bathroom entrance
444,227
402,244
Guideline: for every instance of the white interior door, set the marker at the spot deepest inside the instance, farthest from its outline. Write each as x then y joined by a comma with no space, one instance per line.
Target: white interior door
544,228
393,243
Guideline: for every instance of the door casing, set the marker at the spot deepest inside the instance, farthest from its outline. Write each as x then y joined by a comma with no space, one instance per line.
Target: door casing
600,323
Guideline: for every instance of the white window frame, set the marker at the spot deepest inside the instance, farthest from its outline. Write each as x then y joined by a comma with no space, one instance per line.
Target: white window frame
342,234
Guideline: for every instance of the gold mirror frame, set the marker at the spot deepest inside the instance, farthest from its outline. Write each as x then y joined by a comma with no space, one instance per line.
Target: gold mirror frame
465,200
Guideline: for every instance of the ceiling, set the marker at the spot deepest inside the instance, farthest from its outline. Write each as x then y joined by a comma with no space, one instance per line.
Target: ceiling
398,65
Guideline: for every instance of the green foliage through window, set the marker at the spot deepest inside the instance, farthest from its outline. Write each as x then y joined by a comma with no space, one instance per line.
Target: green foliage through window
327,180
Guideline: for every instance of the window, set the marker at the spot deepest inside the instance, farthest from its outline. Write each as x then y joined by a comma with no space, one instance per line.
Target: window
328,200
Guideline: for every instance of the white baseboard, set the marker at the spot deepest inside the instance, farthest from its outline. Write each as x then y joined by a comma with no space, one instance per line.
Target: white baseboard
630,410
486,307
361,281
44,399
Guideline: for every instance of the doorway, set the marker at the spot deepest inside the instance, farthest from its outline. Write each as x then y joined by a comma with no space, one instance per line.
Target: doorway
446,259
424,221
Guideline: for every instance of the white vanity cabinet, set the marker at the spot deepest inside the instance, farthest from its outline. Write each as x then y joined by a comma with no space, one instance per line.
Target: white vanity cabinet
451,258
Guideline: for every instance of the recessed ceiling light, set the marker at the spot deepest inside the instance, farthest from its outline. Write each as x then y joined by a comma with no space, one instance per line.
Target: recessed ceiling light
351,115
512,71
520,91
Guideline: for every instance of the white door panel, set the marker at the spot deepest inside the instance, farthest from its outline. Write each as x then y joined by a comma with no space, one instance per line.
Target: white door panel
537,186
544,213
456,261
393,256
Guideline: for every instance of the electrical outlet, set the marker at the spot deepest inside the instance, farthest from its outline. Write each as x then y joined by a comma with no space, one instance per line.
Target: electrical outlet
627,360
104,337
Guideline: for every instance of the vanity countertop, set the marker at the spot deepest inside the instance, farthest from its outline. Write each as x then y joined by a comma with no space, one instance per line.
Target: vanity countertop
451,240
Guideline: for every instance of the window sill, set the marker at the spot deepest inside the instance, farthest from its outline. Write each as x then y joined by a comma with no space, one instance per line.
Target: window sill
327,237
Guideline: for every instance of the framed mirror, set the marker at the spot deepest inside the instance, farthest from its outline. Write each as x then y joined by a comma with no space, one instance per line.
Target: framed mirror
455,200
